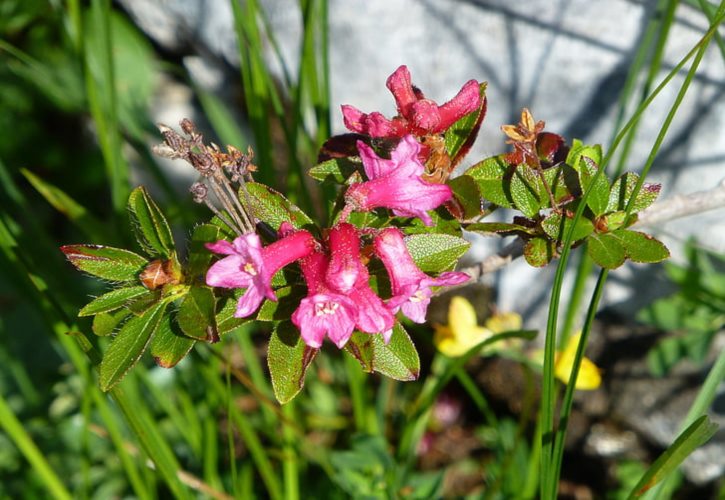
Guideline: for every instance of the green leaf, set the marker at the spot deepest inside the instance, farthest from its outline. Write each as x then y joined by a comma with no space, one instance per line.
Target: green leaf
288,358
200,256
288,298
112,300
196,316
493,175
436,252
152,230
606,250
579,149
526,190
622,190
143,303
642,247
467,196
364,470
169,346
502,228
697,434
460,136
336,170
114,264
538,252
616,220
598,187
443,222
128,346
556,227
563,181
67,206
226,322
271,207
398,359
106,323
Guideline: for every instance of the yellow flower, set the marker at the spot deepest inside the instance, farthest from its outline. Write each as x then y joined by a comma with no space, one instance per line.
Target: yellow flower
463,331
589,377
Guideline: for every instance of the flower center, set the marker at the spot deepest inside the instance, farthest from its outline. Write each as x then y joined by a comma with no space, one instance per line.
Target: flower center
418,296
324,308
250,269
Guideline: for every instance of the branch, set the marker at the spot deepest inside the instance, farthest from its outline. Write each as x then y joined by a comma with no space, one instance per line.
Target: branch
672,208
679,206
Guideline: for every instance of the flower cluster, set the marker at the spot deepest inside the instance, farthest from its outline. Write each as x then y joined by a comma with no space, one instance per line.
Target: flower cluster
416,114
339,297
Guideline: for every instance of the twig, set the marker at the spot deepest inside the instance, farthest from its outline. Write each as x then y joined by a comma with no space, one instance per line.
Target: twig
680,205
672,208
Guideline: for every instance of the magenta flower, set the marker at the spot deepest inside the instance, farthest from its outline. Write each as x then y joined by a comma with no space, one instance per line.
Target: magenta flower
248,265
323,312
396,183
416,114
411,287
373,316
344,267
347,274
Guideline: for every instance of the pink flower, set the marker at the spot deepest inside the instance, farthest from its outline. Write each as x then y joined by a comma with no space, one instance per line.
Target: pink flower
416,114
323,312
339,298
396,183
347,274
372,314
411,287
248,265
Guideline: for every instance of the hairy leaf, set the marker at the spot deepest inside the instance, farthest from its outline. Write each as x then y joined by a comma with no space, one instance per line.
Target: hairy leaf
436,252
128,346
169,345
114,264
271,207
152,230
112,300
606,250
196,316
288,358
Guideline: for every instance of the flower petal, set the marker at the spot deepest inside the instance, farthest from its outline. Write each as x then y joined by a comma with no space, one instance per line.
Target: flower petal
229,272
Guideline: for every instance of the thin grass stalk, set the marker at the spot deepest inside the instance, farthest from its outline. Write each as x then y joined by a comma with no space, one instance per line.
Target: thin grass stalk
568,400
210,456
548,482
469,385
256,374
16,432
640,56
706,8
290,462
54,315
105,109
256,94
699,407
114,432
356,381
664,21
584,269
236,485
250,438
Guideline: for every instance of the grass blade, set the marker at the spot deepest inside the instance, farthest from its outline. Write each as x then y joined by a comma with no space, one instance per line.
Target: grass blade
698,433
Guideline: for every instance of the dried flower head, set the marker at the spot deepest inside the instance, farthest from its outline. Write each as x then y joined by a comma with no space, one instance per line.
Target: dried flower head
224,173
